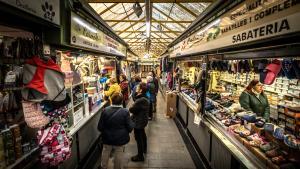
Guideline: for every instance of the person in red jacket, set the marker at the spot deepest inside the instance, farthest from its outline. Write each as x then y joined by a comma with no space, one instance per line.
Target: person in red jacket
124,89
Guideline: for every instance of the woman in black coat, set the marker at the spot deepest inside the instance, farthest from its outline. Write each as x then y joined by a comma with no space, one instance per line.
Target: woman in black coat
115,125
140,110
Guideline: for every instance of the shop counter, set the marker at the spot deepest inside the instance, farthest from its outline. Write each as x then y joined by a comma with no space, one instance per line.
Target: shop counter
220,149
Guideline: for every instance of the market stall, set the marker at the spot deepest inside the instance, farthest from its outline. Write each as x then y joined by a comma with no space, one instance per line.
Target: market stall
35,46
235,129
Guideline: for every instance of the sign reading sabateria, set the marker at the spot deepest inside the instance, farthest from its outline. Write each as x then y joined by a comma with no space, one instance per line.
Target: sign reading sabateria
46,9
250,21
86,35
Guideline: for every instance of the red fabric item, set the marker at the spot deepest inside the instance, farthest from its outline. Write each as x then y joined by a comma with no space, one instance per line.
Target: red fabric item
272,71
124,88
37,81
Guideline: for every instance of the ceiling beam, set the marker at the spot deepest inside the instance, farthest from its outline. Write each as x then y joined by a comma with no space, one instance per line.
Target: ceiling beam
126,17
126,29
145,42
164,32
187,10
153,20
108,8
143,1
168,29
133,32
151,38
168,17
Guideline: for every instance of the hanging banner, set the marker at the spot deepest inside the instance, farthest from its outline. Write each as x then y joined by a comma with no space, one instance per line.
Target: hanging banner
252,20
86,35
45,9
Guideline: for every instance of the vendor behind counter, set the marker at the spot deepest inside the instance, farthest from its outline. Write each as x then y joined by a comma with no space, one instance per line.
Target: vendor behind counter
254,99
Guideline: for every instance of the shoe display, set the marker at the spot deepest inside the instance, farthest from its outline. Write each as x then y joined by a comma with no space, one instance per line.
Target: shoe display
279,133
267,146
278,160
291,141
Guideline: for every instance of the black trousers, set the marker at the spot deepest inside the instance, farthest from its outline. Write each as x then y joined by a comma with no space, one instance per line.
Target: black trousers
141,140
151,110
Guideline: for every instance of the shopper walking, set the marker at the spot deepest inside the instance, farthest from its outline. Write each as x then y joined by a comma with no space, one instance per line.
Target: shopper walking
140,110
115,125
124,89
113,88
151,94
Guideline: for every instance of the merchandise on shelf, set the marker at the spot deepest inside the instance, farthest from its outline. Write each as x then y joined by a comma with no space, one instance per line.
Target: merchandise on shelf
276,140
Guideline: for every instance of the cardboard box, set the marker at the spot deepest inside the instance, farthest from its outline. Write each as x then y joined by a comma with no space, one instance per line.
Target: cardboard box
171,98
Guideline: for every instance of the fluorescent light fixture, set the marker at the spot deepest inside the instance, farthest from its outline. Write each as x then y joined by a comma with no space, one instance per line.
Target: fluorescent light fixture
209,26
148,29
80,22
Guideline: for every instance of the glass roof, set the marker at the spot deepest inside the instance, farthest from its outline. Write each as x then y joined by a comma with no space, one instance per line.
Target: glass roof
169,20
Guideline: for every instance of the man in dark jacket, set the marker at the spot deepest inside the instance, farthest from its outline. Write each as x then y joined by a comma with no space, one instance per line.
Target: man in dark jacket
115,125
140,110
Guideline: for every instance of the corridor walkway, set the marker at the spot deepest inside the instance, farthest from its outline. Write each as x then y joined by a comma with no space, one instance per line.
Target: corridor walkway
166,149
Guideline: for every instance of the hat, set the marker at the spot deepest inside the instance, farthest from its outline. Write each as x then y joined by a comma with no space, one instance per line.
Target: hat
288,69
272,71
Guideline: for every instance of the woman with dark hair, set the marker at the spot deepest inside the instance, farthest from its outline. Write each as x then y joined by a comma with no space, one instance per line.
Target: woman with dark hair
137,81
254,99
140,110
115,125
124,89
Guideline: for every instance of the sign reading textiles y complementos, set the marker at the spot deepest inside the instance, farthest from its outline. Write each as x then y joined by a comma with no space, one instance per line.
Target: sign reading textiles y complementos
250,21
46,9
86,35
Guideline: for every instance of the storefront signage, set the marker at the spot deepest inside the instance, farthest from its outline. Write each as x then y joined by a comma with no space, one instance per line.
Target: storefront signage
250,21
86,35
46,9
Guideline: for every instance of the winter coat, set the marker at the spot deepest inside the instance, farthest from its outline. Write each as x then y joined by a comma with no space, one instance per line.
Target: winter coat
260,106
134,91
115,125
156,85
124,89
114,88
152,91
140,110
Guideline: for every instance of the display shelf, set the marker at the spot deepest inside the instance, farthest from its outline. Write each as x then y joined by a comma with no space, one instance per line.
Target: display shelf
190,102
82,122
238,150
22,158
78,103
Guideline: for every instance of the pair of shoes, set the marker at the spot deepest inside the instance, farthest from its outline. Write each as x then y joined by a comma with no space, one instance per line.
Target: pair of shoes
137,158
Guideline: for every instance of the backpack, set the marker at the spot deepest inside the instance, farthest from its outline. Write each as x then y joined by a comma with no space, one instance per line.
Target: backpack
55,145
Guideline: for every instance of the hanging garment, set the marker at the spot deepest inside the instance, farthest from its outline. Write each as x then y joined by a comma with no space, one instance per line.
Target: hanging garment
43,81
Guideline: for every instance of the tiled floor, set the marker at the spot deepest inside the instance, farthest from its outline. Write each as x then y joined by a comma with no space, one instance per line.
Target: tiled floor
166,149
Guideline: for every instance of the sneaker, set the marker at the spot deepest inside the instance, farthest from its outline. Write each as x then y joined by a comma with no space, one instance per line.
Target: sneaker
137,158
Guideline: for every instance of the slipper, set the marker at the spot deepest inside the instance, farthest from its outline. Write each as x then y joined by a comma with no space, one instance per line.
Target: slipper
267,147
269,127
279,133
272,71
292,141
278,160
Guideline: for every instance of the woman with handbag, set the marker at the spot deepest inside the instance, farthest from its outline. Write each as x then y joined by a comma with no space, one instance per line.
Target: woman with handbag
115,125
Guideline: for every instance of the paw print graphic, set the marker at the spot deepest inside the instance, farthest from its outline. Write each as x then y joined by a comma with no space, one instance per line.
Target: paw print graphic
49,14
